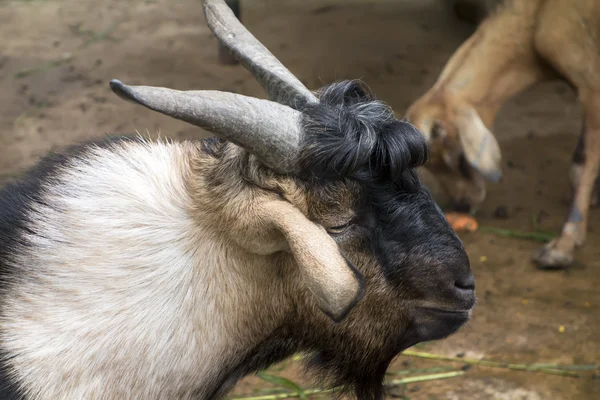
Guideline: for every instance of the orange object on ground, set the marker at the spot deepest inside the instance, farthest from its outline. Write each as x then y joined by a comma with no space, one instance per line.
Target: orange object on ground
462,222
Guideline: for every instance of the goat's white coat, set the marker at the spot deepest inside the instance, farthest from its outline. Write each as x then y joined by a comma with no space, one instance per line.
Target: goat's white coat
118,239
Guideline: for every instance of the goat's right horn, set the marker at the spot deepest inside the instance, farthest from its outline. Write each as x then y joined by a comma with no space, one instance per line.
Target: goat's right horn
281,85
270,131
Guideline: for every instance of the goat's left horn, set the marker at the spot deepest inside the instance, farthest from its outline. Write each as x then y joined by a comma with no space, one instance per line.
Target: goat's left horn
270,131
281,85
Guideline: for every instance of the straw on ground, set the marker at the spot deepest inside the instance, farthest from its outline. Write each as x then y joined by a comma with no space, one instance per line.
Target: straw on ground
394,382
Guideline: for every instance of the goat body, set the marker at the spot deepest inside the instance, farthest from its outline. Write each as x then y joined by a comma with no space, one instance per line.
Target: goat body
520,43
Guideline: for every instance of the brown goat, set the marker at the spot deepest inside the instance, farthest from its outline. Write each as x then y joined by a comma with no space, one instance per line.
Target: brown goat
520,43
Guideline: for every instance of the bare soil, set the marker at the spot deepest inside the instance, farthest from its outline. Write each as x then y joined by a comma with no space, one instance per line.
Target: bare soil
57,56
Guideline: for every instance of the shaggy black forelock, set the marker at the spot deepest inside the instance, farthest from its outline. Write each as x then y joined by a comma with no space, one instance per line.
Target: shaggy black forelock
350,134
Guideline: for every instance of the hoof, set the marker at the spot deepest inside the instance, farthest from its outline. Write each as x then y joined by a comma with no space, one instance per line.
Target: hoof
548,257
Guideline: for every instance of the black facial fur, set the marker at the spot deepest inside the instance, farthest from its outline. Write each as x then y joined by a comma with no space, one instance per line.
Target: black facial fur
349,135
352,136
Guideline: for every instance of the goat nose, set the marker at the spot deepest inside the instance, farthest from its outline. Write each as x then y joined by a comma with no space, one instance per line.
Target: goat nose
466,282
464,289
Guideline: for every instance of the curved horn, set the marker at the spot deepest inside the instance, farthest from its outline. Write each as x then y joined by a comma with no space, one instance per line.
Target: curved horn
270,131
281,85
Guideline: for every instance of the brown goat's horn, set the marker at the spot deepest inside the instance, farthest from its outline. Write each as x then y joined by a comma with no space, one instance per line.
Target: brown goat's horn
281,85
266,129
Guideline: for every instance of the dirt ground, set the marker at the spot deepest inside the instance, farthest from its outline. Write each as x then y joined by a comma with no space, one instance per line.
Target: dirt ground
57,56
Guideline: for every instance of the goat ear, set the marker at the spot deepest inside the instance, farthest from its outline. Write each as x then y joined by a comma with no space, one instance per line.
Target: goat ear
479,144
336,284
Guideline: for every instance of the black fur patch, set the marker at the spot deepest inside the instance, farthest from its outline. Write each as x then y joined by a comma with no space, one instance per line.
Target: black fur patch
352,136
367,379
349,134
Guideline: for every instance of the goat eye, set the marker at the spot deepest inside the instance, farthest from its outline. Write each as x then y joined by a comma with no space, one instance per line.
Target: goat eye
337,230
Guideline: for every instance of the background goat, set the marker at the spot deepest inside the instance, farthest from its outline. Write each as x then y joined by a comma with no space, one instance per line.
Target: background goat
521,43
138,269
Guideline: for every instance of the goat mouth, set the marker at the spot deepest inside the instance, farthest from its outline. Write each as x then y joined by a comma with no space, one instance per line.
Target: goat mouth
432,323
449,313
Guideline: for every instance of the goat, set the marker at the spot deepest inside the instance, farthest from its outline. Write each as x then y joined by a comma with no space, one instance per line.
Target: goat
133,268
522,42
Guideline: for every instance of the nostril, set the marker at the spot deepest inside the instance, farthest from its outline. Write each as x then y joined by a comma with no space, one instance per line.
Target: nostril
464,291
465,283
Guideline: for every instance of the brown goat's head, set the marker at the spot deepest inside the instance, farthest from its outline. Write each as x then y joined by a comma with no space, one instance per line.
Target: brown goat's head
333,184
463,151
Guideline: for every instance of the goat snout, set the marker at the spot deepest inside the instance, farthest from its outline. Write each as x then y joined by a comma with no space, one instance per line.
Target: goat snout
454,290
450,303
464,291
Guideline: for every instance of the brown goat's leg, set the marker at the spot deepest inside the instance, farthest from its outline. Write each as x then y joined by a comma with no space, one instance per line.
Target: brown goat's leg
559,252
577,162
561,25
